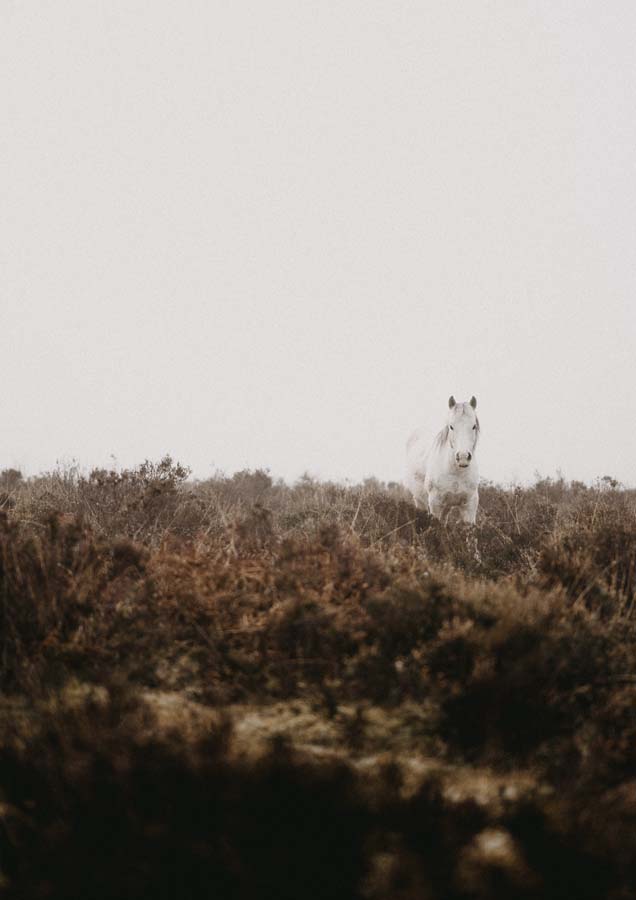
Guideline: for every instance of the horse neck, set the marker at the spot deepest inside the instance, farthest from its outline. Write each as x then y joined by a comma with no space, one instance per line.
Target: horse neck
448,456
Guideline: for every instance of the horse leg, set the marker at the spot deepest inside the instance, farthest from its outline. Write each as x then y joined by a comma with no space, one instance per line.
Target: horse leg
469,515
469,511
421,501
435,504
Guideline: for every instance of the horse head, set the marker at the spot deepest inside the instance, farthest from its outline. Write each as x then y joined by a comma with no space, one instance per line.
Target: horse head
463,430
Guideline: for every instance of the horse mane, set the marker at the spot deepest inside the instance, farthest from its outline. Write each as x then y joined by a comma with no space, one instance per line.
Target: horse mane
441,438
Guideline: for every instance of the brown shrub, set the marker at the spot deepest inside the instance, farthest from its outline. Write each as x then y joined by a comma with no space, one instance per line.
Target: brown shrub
54,589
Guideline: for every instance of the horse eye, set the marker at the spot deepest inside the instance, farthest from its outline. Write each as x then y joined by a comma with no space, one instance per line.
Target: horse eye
451,428
474,426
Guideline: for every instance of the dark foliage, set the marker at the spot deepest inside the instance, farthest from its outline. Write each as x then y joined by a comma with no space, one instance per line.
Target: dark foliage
100,804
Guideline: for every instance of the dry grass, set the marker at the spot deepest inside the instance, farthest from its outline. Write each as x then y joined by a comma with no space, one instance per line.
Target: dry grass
243,689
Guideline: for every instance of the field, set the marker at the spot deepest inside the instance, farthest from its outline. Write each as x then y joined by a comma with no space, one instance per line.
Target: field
239,688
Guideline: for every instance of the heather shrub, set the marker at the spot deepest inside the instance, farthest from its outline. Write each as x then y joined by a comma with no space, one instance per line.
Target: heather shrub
530,679
10,482
142,504
595,565
55,587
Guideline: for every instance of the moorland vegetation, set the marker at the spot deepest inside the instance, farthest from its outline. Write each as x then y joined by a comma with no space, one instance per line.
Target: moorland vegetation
245,689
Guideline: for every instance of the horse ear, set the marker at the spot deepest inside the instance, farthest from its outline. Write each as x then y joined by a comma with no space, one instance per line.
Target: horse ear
451,402
473,402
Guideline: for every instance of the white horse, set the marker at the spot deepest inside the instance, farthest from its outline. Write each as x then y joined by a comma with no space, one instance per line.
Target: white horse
445,475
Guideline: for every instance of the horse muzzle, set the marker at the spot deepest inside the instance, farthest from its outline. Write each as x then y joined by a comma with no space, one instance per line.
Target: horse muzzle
463,459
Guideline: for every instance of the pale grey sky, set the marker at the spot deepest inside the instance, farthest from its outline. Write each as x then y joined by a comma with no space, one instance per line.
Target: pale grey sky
280,234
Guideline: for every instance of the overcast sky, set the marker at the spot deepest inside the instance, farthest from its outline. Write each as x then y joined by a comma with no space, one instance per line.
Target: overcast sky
280,234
